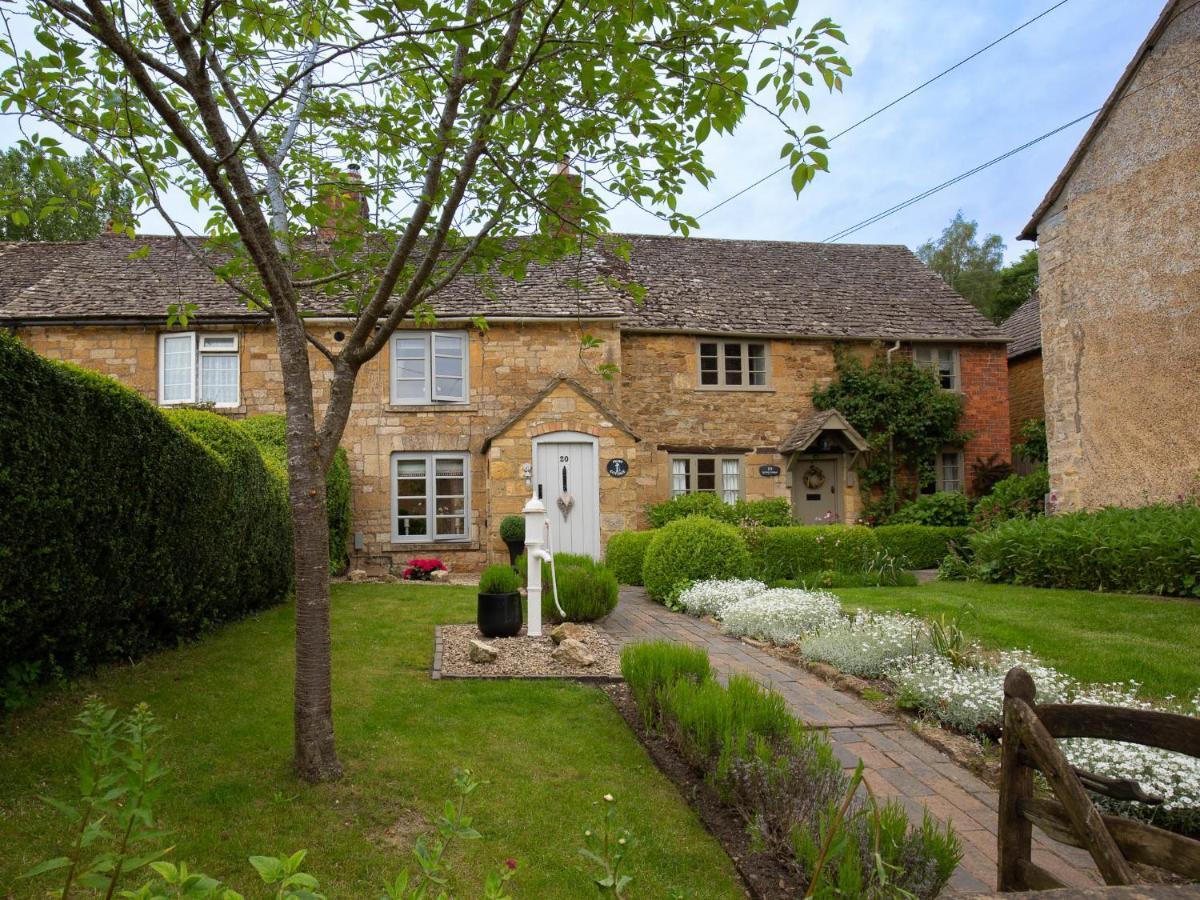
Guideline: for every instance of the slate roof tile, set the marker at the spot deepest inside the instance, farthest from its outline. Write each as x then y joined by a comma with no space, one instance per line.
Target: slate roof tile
1024,328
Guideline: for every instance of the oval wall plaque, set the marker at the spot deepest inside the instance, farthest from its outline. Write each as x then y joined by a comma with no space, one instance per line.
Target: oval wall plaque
618,468
769,471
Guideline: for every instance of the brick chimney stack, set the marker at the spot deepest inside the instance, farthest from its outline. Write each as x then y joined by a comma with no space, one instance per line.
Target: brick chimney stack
337,198
562,199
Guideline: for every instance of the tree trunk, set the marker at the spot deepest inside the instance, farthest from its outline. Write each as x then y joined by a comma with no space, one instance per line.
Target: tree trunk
315,756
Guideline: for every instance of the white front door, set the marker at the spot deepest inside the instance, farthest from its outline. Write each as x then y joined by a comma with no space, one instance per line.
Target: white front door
567,478
815,486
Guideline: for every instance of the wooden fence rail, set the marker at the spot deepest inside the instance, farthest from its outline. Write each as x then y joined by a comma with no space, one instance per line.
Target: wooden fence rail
1029,745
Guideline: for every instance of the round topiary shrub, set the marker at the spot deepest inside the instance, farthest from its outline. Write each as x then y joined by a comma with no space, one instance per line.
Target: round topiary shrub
692,549
626,554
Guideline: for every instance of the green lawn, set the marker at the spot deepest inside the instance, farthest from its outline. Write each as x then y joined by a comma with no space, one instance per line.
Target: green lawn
549,751
1094,637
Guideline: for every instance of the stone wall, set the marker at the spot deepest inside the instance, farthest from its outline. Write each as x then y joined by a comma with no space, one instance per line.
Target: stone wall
1120,282
1025,397
651,408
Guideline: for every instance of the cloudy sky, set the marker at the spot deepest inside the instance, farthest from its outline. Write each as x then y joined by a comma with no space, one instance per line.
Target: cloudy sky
1057,69
1051,72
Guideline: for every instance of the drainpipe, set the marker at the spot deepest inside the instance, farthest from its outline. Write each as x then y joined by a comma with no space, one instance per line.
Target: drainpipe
891,441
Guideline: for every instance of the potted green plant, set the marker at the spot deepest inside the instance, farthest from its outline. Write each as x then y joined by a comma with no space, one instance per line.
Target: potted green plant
512,532
498,613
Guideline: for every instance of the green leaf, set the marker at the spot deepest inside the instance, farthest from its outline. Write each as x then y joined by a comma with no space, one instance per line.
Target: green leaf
49,865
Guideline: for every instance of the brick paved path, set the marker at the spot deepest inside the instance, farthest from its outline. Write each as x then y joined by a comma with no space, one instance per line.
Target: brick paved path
898,764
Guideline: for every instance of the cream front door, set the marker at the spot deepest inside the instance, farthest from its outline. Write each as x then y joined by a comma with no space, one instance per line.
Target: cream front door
567,475
816,497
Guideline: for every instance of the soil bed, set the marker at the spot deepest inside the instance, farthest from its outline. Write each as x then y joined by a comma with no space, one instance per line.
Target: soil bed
764,877
521,656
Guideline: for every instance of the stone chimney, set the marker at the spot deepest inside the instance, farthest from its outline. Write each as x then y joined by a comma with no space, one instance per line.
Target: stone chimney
339,200
563,192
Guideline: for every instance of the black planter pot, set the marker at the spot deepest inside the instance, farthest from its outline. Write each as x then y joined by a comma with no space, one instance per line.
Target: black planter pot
515,549
499,615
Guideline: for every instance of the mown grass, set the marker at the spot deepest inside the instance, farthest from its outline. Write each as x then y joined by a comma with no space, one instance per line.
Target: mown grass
1092,636
549,751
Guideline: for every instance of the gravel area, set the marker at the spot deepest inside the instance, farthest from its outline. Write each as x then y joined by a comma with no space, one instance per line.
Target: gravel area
523,656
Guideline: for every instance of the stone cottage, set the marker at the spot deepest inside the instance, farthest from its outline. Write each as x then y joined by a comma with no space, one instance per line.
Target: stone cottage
452,428
1119,262
1025,396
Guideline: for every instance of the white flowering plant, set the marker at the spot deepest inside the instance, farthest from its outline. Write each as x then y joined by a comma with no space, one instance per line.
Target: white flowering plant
783,615
870,645
713,598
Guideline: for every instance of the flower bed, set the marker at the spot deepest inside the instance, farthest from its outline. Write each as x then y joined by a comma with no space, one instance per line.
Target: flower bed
967,697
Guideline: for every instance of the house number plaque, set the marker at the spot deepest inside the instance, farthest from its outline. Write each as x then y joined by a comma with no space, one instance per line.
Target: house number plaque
618,468
768,471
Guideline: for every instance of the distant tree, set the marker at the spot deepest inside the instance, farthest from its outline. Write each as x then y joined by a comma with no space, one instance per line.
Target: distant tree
52,198
969,265
1017,282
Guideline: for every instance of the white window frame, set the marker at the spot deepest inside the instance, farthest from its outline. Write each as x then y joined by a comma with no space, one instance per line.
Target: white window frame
431,536
719,474
960,462
430,394
200,344
723,345
928,357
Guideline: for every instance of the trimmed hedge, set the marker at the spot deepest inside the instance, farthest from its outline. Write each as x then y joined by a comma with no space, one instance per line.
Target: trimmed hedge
626,554
948,509
123,530
778,554
923,546
270,433
769,513
1151,550
692,549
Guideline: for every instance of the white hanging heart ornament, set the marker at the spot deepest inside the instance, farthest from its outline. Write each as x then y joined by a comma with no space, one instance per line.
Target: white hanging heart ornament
565,504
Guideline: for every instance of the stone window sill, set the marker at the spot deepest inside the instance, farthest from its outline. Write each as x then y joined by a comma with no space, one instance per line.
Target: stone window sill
432,546
430,407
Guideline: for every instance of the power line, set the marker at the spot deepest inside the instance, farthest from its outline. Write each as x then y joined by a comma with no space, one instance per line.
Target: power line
846,232
888,106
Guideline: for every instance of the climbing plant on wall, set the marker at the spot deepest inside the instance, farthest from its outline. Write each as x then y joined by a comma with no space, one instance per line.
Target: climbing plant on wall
905,416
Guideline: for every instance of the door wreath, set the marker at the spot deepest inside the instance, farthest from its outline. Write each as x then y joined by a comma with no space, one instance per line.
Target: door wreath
813,478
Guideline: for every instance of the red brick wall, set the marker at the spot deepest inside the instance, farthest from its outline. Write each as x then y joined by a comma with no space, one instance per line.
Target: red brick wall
984,375
1025,396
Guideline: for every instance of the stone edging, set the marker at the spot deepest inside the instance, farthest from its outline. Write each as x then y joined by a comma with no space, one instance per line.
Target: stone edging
436,673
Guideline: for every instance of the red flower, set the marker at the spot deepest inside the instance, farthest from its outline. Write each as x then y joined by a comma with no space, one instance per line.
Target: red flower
511,863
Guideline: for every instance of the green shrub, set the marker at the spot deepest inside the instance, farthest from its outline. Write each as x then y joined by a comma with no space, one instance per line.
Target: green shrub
1016,497
787,553
626,555
499,579
830,579
948,509
650,666
512,528
707,716
1150,550
270,434
123,530
587,590
768,513
692,549
921,546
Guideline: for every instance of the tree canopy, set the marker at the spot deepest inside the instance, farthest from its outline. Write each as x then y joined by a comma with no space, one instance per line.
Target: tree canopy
51,198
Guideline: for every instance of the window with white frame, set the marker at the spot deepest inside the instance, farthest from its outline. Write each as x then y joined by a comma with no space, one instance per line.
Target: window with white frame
720,475
429,367
194,367
430,497
733,364
941,360
950,471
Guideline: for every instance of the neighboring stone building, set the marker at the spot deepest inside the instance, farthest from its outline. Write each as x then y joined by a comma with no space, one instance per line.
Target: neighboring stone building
1025,389
1119,249
712,392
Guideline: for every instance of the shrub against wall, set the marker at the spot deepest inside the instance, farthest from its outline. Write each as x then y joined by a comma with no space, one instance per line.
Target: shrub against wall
770,512
921,546
123,530
1151,550
270,433
692,549
778,554
626,554
947,509
1016,497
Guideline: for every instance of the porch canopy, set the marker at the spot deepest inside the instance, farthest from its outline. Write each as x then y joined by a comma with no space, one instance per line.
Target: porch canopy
828,431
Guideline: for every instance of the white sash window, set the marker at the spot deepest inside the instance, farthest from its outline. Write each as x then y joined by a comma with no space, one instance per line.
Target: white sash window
429,367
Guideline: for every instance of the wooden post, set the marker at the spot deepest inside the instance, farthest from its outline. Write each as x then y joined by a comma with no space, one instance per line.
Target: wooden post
1014,833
